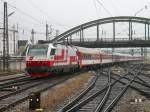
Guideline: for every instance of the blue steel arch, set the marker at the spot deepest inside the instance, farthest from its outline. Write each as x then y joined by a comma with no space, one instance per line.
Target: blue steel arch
81,27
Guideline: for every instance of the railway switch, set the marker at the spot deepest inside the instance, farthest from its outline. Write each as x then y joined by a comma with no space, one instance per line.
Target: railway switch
34,101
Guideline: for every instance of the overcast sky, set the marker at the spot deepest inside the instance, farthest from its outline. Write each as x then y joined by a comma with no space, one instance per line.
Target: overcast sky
65,14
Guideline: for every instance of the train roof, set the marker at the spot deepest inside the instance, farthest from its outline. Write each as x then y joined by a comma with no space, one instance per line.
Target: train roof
120,54
88,50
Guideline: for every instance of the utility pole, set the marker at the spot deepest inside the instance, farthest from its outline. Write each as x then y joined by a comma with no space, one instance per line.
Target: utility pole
32,36
57,33
50,32
47,32
14,38
5,39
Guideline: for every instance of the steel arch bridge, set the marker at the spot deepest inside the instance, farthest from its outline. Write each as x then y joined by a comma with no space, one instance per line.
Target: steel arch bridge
66,37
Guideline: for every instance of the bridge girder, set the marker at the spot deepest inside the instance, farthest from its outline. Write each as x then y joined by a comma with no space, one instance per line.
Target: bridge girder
112,44
98,22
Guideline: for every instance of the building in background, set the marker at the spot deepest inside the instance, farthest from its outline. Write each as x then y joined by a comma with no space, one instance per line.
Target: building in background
13,41
22,47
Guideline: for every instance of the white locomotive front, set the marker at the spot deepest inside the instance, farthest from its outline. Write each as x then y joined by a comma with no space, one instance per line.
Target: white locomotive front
47,59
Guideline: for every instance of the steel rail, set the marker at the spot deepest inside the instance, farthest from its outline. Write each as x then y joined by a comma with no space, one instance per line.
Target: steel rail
143,83
23,89
116,99
18,91
14,78
25,97
73,102
101,104
80,104
131,86
13,82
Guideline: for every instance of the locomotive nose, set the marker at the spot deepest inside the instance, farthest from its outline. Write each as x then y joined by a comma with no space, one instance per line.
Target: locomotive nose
38,68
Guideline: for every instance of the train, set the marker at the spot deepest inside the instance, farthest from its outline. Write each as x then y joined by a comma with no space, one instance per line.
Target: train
51,59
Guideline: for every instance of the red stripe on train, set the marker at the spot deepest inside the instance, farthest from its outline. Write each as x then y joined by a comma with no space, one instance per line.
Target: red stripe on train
39,63
73,58
60,57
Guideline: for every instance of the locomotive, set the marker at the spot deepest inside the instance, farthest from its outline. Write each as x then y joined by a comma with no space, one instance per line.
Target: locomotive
49,59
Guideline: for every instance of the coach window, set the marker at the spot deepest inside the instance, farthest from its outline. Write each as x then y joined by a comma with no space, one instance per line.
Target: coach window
53,51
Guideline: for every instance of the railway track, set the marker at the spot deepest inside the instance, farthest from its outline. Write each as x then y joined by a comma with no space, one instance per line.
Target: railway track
8,73
141,83
9,79
102,94
90,89
134,85
14,81
19,87
104,98
114,93
11,98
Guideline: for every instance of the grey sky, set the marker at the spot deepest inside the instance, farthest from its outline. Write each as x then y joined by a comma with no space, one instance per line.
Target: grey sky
64,14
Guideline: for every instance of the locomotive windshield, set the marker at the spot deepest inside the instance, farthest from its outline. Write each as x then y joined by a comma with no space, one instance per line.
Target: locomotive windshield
38,50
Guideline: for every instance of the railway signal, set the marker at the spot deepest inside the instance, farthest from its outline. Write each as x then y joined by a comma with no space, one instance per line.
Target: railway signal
34,101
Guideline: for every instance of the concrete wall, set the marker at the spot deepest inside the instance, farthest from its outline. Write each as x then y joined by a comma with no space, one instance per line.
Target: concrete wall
15,65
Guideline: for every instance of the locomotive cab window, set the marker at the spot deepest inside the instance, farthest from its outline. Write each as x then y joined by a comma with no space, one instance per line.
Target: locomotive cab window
37,50
53,51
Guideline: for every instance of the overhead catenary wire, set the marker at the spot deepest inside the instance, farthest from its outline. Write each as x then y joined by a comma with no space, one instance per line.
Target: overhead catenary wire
24,13
20,27
116,10
41,23
115,7
44,13
100,3
94,3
